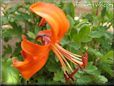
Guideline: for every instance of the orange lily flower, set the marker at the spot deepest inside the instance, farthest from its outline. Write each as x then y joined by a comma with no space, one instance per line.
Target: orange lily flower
35,55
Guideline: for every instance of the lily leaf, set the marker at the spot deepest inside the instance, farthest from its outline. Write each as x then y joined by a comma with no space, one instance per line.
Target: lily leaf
110,54
31,35
101,79
10,74
69,9
58,76
82,35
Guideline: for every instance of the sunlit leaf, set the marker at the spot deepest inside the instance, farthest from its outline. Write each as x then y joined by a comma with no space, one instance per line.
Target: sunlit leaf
101,79
31,35
10,75
110,54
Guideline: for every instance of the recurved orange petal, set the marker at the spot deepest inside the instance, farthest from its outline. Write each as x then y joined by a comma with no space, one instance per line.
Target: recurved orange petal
35,57
34,49
54,16
29,67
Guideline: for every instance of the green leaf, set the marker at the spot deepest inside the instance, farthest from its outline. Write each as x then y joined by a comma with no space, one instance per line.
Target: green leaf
95,52
10,74
96,34
92,70
87,39
69,9
22,17
41,80
82,35
103,12
52,65
12,9
90,75
7,50
8,33
82,23
16,31
74,46
106,68
110,54
4,20
107,59
31,35
101,79
26,16
64,41
36,29
58,76
72,22
89,17
84,80
99,32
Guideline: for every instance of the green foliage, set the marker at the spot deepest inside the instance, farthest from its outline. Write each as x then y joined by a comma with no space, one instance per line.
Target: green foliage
89,32
58,76
69,9
90,75
9,74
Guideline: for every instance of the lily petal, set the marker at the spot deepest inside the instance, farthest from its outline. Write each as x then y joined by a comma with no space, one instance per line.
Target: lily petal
34,49
34,58
29,68
54,16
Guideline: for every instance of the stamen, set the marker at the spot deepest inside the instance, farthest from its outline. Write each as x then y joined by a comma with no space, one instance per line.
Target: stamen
63,57
67,51
59,57
74,72
61,61
67,64
66,76
70,77
42,22
70,57
65,60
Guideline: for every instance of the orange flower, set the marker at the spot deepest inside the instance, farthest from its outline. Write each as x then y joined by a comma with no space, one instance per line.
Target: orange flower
35,55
